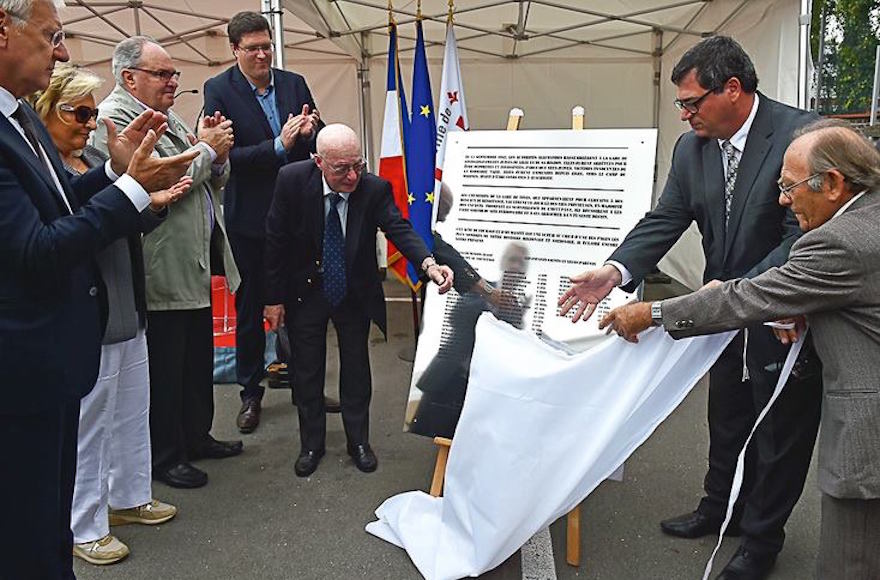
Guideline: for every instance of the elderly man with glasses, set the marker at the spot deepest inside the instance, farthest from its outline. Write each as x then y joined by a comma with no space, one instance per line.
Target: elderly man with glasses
276,123
321,266
723,177
180,256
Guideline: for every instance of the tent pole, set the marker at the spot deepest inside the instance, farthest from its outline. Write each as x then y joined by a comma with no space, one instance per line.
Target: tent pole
803,97
658,71
272,11
364,103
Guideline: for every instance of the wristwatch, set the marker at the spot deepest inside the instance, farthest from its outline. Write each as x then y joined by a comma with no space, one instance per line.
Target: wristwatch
657,313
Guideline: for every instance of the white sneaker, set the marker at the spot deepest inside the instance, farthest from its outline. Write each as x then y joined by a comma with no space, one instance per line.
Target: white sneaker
150,514
107,550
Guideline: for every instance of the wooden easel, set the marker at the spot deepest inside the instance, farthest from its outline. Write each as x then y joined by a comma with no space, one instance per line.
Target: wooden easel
573,519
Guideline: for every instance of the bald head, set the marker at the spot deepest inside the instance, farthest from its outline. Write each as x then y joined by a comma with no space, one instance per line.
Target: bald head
339,157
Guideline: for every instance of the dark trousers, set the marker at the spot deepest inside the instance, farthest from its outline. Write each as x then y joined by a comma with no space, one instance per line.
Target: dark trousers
39,461
307,325
181,349
250,335
779,455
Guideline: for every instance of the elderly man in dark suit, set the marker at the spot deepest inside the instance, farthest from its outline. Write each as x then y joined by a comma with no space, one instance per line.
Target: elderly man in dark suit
831,181
276,123
723,176
52,301
321,266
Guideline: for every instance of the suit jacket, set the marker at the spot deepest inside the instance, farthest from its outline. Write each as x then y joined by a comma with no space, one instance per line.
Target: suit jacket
760,232
52,302
295,239
177,254
832,276
255,164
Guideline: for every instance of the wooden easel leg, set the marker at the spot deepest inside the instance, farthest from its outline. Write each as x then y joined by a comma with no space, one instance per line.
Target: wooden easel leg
443,444
573,537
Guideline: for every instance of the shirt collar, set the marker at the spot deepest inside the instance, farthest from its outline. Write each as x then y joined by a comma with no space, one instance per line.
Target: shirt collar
8,103
328,191
739,138
269,88
845,206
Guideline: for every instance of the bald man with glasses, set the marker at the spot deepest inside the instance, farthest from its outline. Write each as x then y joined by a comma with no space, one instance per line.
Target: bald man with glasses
723,177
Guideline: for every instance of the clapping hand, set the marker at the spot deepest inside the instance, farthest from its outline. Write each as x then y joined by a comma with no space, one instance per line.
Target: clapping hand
163,197
216,131
157,173
122,145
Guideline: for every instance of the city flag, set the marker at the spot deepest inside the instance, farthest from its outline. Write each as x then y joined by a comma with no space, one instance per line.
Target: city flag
420,149
392,162
452,111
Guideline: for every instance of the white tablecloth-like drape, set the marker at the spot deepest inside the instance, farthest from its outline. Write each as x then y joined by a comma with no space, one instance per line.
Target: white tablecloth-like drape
539,431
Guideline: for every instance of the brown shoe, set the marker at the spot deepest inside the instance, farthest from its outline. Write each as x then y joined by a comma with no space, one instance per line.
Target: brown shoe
249,415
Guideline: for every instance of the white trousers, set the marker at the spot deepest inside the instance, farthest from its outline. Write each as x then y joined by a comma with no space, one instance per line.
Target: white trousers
113,450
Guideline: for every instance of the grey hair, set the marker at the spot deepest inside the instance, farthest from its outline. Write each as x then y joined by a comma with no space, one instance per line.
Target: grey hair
835,144
20,10
127,54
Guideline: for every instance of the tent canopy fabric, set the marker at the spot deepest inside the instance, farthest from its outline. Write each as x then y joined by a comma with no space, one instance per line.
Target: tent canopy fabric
544,56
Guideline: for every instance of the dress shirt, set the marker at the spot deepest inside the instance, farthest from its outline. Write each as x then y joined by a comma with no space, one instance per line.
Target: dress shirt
341,207
127,184
269,104
738,140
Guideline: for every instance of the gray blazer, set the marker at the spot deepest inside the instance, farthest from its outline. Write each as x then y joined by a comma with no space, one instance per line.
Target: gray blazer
832,276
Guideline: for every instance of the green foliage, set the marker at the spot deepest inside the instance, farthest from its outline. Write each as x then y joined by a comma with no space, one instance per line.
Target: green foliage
852,33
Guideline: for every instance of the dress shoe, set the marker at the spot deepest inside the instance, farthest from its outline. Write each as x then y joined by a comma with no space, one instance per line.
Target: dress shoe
332,405
149,514
249,416
364,458
307,462
215,449
696,525
181,475
107,550
747,565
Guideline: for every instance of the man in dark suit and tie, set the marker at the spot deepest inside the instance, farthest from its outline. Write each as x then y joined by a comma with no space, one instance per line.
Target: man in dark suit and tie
321,265
831,181
276,122
723,176
52,301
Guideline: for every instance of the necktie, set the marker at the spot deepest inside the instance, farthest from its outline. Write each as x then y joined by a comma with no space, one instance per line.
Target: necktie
334,255
28,127
730,178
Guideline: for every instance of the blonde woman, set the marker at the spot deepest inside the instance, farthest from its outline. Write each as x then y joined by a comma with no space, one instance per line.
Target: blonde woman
113,474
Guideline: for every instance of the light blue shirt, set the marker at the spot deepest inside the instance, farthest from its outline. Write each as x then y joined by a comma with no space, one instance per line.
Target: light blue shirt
269,104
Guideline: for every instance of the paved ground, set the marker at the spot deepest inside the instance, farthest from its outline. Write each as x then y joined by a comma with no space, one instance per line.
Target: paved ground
256,519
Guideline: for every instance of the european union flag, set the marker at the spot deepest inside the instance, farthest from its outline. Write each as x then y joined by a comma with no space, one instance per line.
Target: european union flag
420,150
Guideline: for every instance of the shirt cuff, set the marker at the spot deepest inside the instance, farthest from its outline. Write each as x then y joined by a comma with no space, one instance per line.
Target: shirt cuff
280,151
109,171
217,169
134,191
210,150
625,276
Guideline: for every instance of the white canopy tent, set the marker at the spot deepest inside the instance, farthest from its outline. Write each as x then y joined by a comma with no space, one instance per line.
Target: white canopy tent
613,57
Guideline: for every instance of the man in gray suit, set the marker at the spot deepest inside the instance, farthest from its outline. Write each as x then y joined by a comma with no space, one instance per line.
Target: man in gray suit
831,181
723,177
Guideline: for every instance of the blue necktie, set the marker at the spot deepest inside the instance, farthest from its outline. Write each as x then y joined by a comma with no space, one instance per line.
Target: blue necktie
334,255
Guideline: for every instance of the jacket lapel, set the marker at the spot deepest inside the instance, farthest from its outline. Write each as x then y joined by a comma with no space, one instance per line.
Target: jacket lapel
758,144
357,202
316,204
241,86
713,184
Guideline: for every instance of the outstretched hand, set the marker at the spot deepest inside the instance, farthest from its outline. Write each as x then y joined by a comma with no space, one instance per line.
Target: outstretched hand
587,290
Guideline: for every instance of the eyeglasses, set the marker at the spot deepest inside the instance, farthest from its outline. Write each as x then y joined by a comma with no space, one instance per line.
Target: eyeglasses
785,190
165,75
253,50
340,170
692,106
82,113
56,38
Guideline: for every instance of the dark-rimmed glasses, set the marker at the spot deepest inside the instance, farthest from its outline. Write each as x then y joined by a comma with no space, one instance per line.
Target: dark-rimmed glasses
785,190
165,75
82,113
692,106
252,50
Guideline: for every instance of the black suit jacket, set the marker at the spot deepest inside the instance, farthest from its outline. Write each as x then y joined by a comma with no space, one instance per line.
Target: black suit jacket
253,160
760,232
295,239
52,301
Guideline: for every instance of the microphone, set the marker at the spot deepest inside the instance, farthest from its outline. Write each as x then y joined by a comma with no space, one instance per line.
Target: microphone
190,91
